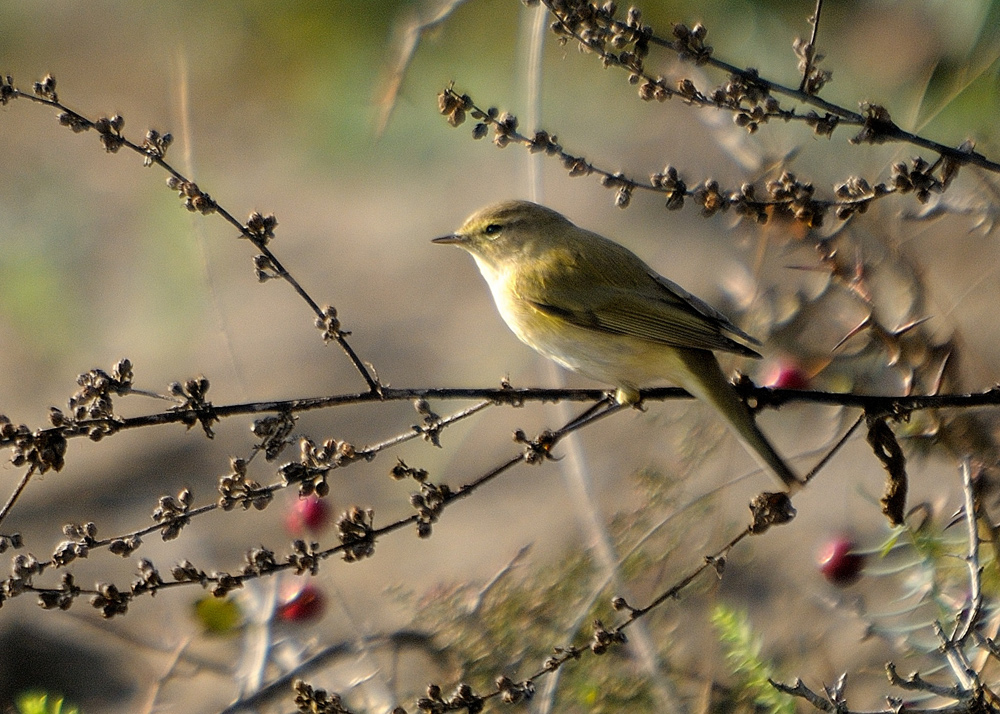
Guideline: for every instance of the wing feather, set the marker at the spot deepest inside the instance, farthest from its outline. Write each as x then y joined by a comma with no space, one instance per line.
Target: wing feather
651,307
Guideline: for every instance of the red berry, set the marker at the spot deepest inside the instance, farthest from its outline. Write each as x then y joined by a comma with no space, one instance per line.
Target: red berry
304,605
310,514
787,374
839,562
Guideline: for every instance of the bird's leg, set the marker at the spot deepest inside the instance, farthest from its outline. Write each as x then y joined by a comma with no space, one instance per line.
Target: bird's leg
609,402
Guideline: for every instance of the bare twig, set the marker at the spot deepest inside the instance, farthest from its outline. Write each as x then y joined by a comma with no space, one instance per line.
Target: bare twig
258,229
16,493
809,51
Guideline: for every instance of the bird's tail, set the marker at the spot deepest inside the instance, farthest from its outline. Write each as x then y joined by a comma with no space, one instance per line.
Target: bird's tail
708,383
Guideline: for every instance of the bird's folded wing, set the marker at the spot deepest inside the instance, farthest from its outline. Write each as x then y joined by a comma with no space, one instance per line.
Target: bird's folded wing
663,313
704,308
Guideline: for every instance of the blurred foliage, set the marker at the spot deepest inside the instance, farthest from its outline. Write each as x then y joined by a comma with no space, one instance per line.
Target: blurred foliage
44,703
218,615
528,610
963,90
752,690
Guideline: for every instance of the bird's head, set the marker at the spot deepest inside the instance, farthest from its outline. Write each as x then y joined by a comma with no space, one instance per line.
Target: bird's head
506,230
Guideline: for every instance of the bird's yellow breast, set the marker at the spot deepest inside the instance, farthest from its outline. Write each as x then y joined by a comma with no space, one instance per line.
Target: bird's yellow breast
623,361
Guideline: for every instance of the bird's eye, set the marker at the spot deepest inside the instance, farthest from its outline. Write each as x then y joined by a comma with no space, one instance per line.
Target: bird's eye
492,229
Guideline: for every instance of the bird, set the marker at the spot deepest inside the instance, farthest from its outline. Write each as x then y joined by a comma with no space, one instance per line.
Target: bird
594,307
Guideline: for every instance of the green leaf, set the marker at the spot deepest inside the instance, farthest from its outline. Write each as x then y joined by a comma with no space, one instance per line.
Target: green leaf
218,616
43,703
742,648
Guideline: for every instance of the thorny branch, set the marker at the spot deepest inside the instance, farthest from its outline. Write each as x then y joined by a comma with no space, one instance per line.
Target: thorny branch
968,693
953,644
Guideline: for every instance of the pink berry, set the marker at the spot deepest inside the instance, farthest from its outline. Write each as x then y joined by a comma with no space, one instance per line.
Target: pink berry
310,514
787,374
304,605
839,562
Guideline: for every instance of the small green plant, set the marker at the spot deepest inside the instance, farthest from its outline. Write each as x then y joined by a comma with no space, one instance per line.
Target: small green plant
753,688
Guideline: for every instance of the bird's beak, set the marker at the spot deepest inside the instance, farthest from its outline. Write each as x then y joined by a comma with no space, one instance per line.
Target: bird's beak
453,239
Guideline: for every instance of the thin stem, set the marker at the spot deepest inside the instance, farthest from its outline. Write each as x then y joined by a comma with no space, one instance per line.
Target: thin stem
259,242
17,492
836,447
811,52
675,589
887,132
766,396
973,611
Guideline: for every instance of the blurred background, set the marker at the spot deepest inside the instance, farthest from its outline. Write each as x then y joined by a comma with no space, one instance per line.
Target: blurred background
307,110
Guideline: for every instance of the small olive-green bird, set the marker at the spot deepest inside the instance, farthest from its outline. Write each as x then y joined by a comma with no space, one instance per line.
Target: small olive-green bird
594,307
